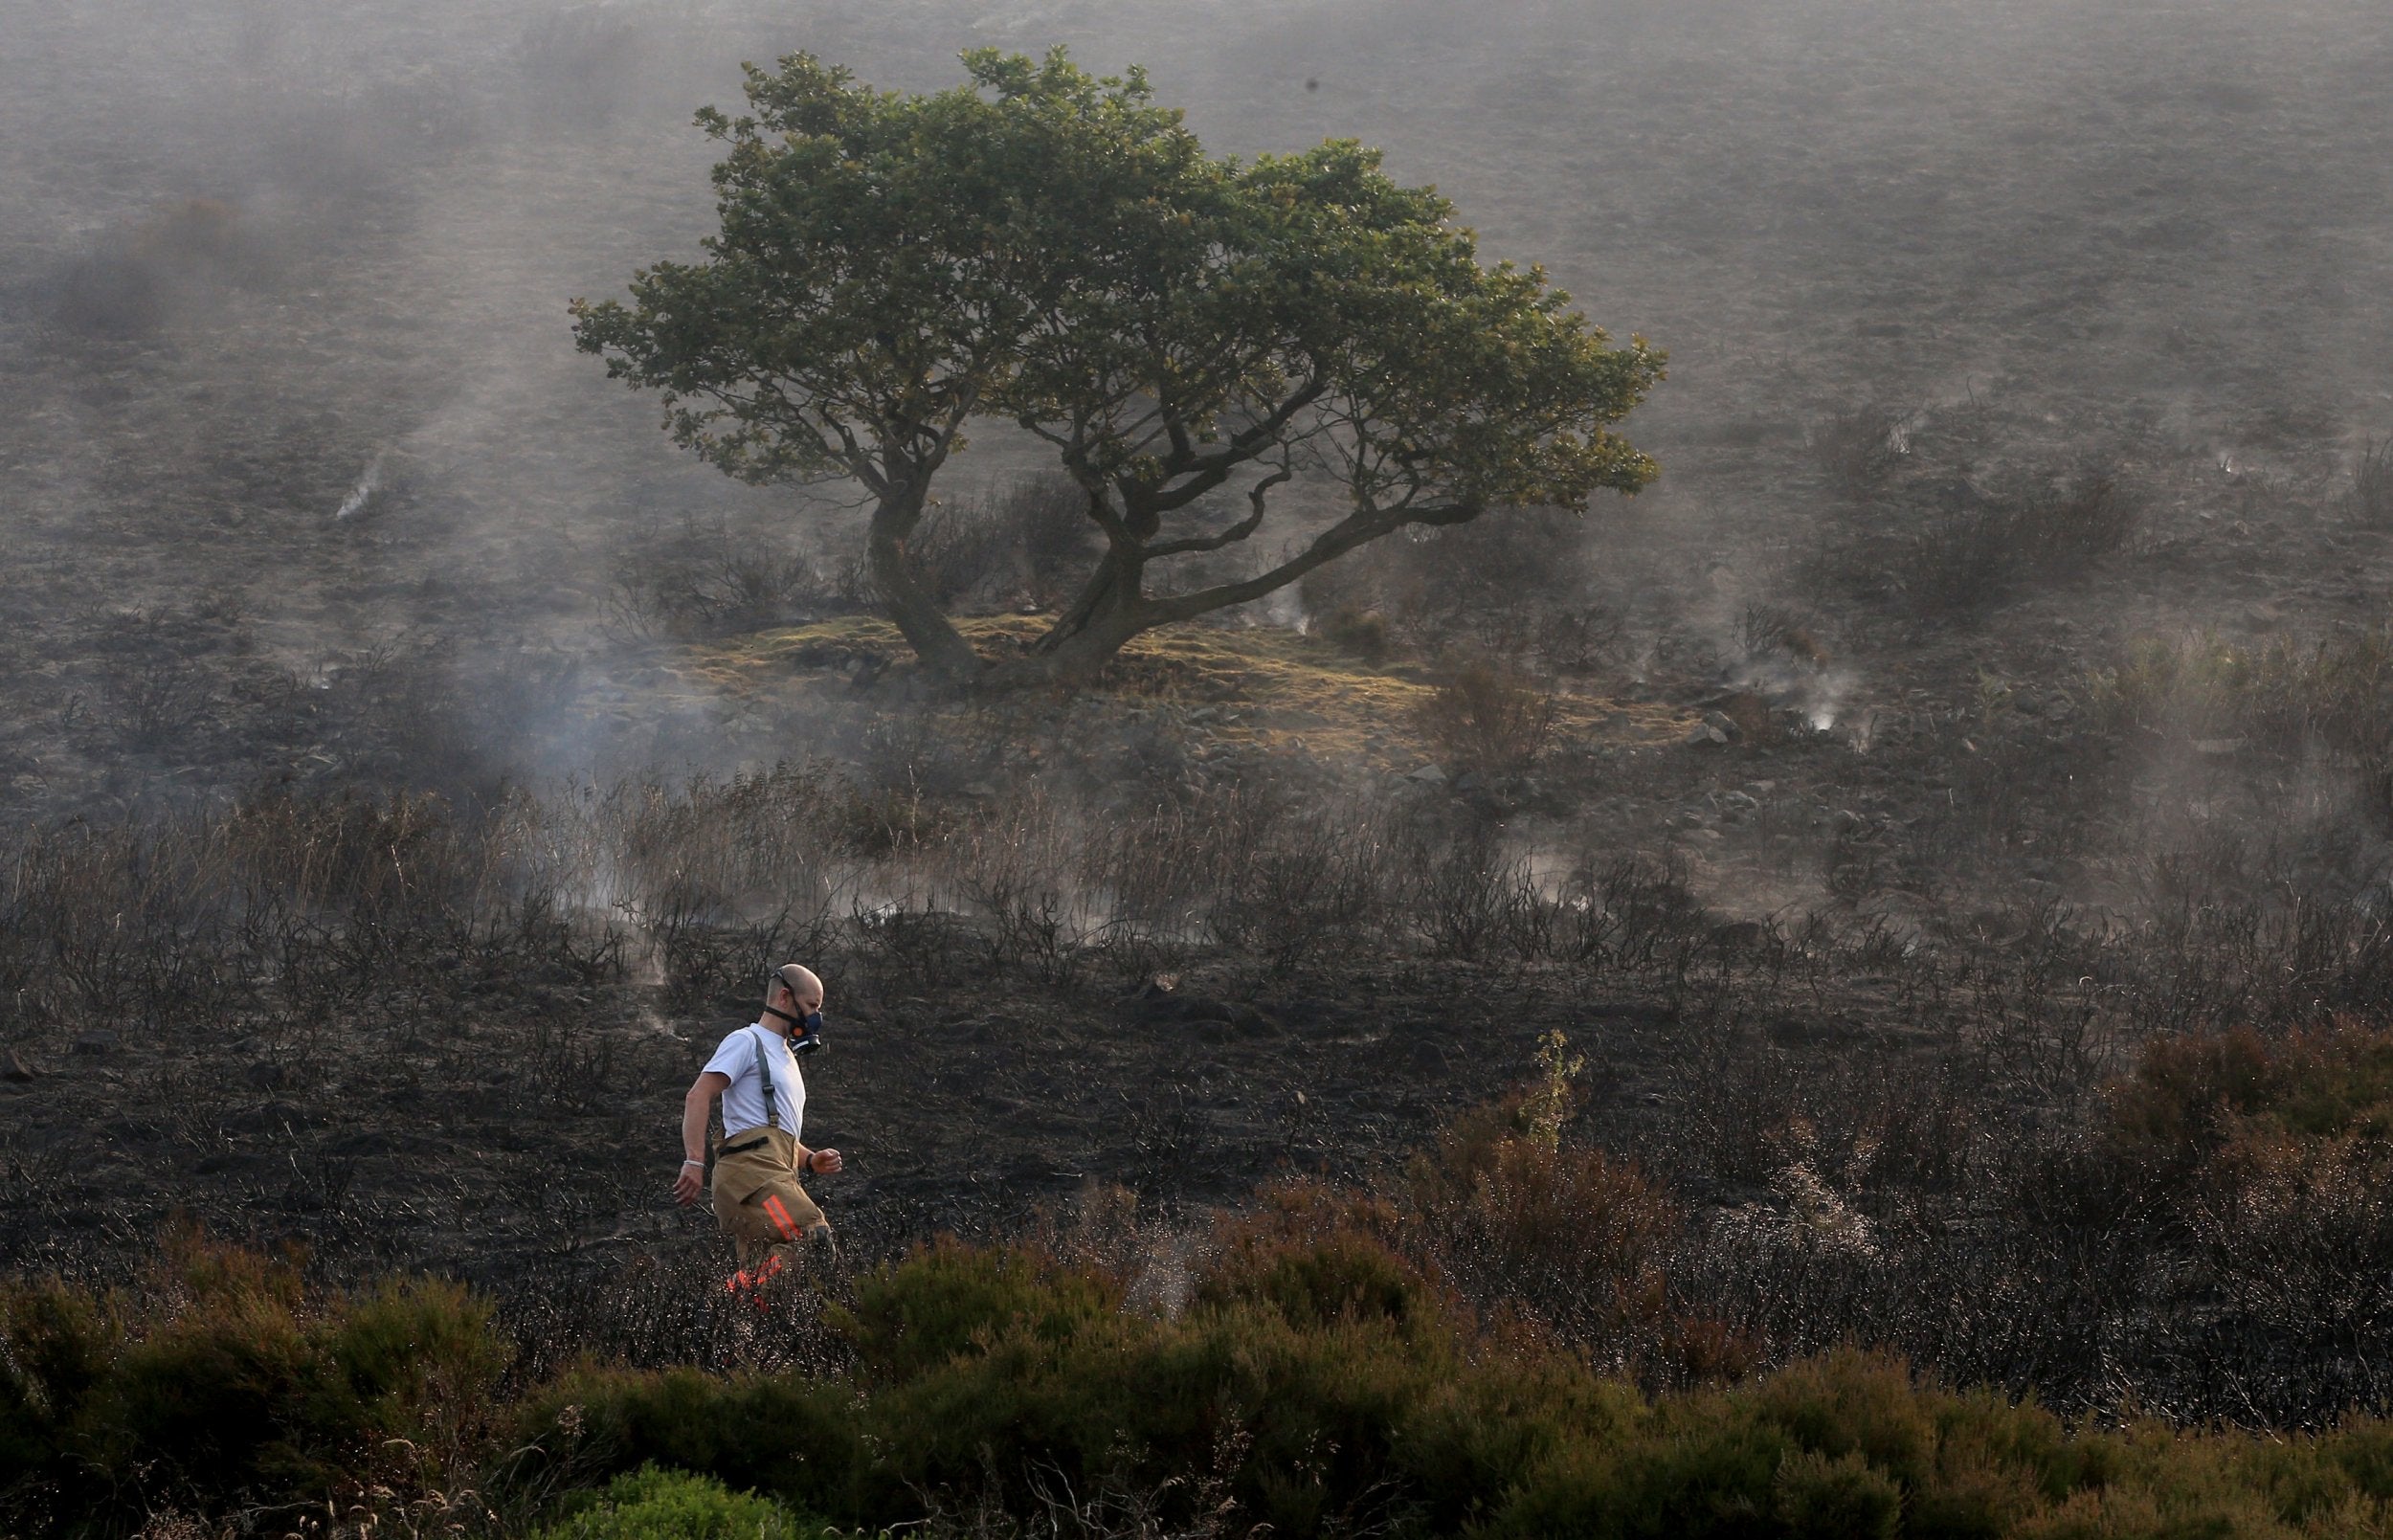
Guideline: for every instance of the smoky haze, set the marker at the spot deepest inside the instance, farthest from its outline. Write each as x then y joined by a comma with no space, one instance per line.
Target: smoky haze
283,291
412,763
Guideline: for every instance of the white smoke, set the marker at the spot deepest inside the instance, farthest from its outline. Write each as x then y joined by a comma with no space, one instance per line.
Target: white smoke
363,492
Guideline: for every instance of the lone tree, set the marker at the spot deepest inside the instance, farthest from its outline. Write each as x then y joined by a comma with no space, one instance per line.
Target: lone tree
1194,337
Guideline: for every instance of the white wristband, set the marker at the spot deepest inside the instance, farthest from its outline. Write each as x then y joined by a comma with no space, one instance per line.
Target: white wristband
693,1163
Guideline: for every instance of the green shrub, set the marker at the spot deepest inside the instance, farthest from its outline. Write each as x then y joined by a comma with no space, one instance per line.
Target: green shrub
1849,1444
1852,1403
1319,1384
213,1399
797,1439
1315,1280
413,1347
1714,1479
1308,1425
1817,1497
1311,1392
657,1505
223,1379
947,1298
59,1345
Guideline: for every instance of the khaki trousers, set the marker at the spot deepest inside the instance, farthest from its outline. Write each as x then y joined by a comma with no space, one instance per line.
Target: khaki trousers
757,1200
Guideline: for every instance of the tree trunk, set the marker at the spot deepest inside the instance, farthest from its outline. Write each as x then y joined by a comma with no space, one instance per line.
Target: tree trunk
1109,610
1113,607
1075,660
1102,592
935,639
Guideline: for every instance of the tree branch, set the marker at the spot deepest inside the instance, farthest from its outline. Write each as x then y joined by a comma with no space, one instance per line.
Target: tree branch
1355,529
1237,532
1209,470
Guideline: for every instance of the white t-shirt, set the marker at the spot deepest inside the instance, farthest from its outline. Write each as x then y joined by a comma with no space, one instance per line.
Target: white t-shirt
744,1099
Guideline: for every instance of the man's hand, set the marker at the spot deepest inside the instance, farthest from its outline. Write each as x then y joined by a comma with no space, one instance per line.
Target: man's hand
824,1163
690,1184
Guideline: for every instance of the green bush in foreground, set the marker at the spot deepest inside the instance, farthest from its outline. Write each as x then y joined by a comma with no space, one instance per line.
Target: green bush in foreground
1323,1378
1261,1407
657,1504
223,1381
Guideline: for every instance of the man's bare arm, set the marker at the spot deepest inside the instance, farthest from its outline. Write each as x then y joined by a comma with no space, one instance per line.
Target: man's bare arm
695,1108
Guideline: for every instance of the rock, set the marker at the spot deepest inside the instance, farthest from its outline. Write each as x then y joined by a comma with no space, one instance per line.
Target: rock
14,1068
1468,781
1427,776
1704,733
1721,723
95,1043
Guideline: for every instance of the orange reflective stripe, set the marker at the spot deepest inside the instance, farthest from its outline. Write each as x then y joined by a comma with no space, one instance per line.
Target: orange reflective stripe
778,1213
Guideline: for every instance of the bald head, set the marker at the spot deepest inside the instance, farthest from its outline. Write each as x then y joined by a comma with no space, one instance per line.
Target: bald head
799,983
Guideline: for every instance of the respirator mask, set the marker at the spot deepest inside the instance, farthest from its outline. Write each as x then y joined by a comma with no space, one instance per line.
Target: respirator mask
806,1031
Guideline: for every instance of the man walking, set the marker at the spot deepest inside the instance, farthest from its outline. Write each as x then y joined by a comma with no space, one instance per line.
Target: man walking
758,1201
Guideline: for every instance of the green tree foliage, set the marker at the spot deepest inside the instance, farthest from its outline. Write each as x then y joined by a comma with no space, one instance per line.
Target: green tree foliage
1189,334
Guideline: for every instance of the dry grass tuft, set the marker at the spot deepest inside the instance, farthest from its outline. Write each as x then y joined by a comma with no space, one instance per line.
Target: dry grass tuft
1285,689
